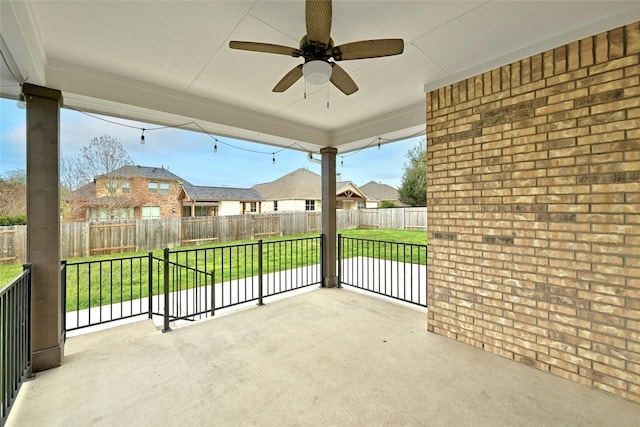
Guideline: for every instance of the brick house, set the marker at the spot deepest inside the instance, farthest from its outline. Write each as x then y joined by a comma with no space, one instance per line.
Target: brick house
130,192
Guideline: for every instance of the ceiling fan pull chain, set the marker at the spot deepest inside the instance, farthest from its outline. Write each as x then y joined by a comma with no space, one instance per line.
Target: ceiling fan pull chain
327,96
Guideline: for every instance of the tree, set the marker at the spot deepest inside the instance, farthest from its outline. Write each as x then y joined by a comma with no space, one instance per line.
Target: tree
13,192
413,190
102,156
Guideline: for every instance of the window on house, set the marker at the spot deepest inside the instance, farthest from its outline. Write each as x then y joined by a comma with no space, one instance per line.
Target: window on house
150,212
153,187
126,187
253,207
202,211
102,214
361,205
164,188
310,205
275,206
112,186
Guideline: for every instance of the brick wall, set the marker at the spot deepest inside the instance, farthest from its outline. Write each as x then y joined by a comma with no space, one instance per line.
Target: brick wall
170,206
533,183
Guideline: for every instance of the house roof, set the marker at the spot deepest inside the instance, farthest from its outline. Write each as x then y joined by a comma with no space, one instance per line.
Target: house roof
297,185
348,190
86,192
378,191
149,172
198,192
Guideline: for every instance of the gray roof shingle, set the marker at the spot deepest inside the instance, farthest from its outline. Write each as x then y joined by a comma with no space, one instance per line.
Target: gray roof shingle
378,191
297,185
150,172
198,192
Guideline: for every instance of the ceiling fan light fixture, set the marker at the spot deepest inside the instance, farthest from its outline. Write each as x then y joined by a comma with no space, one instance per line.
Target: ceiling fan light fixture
316,72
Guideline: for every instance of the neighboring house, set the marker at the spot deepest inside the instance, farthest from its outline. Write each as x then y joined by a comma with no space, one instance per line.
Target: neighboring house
377,193
213,201
301,190
130,192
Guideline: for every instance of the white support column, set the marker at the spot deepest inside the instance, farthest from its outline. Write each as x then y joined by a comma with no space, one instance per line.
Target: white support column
330,279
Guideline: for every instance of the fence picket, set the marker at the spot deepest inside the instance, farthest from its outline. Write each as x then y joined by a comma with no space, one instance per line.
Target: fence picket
83,239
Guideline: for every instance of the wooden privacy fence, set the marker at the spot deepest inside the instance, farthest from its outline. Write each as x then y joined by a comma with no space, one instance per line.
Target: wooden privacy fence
13,244
83,239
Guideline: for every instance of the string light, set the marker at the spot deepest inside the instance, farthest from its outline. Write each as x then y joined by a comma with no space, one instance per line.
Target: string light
377,140
22,101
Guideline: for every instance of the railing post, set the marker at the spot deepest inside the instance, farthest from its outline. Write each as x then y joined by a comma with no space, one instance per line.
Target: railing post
166,327
28,266
150,279
339,260
260,281
322,260
63,298
213,292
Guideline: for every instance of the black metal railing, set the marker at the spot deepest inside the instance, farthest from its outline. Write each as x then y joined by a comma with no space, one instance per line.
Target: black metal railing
15,338
395,270
201,281
103,291
187,284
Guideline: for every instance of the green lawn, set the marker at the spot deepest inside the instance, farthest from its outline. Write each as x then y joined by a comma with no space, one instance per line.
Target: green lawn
128,277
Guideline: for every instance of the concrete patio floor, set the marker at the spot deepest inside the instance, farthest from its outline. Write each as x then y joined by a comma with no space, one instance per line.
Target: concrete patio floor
327,357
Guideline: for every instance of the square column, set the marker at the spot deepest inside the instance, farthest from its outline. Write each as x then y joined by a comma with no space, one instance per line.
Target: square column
43,224
329,277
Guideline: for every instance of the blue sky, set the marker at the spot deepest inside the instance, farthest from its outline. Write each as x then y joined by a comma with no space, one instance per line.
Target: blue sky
190,155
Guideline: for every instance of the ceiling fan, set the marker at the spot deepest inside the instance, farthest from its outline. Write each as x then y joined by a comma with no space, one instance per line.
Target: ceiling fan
317,48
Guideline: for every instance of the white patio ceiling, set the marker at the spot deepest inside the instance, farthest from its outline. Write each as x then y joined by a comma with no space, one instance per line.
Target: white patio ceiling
168,62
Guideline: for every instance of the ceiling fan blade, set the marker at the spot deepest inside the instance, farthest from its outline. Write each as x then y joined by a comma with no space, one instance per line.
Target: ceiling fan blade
289,79
368,49
318,20
341,80
265,47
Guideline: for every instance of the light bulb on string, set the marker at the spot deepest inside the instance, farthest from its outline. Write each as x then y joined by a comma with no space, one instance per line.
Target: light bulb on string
341,162
22,101
142,136
378,143
215,147
273,158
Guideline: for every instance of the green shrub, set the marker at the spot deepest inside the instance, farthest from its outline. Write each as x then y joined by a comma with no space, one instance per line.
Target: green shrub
387,204
13,220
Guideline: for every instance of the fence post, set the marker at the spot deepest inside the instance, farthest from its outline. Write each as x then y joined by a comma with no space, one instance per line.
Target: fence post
166,327
339,260
150,284
322,261
260,273
63,298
